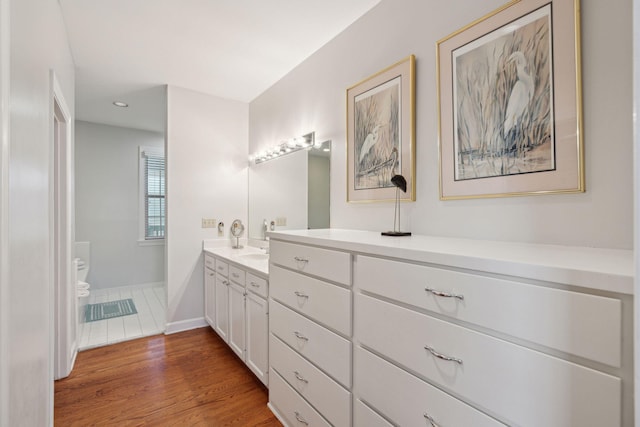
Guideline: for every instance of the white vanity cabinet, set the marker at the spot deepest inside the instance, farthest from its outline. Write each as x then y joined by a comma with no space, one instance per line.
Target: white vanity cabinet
449,332
239,309
310,349
221,314
209,290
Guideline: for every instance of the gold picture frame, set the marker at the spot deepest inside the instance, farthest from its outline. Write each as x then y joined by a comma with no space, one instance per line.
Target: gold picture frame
510,103
381,134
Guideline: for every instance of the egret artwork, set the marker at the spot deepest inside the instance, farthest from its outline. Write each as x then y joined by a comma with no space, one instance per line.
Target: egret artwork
377,136
503,101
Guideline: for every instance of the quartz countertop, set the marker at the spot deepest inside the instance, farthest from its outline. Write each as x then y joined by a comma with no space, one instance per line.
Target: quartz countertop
603,269
258,266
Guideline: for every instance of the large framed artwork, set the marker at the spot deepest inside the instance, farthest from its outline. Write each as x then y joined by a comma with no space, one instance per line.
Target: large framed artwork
381,134
510,107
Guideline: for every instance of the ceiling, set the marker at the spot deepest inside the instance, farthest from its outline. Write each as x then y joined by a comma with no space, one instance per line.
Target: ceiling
127,50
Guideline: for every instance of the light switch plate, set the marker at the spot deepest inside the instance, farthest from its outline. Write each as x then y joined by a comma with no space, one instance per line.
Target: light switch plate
209,223
281,221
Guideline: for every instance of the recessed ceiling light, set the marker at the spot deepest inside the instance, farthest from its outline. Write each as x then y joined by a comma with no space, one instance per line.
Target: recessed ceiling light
120,104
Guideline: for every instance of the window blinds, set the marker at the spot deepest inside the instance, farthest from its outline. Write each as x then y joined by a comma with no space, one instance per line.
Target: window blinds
154,201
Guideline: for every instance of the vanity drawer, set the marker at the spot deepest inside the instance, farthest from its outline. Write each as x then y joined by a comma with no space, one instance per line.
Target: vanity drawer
325,349
324,302
326,395
257,285
363,416
525,387
324,263
236,275
222,267
411,399
291,406
209,262
584,325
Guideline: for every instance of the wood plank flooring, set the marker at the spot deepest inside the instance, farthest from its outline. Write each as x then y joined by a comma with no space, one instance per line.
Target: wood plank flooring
186,379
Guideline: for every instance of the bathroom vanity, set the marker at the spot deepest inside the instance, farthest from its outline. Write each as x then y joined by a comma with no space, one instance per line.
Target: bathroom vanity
368,330
236,292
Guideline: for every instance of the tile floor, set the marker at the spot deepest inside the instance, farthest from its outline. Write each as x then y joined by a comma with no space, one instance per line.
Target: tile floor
150,301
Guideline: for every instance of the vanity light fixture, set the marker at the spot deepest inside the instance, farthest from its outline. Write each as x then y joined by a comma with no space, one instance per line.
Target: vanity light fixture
120,104
291,146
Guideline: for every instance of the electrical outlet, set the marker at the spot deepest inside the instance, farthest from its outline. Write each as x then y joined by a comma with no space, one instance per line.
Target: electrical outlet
209,223
281,221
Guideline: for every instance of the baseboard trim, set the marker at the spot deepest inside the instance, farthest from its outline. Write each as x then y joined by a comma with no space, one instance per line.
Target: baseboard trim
277,414
185,325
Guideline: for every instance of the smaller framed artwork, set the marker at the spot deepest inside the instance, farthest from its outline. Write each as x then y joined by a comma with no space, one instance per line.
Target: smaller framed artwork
509,103
381,134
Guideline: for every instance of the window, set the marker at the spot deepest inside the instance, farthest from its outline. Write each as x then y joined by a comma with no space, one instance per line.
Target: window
152,190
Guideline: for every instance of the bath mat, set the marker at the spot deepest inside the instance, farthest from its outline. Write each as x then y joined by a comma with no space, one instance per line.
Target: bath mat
109,310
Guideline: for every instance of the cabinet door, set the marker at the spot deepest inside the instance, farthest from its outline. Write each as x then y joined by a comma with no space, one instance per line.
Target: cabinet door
258,336
236,319
221,313
209,296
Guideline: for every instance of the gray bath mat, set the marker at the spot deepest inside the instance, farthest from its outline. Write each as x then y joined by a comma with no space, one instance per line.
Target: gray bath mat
109,310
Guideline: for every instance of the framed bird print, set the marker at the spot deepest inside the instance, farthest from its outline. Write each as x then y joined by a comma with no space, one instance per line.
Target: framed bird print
381,134
510,107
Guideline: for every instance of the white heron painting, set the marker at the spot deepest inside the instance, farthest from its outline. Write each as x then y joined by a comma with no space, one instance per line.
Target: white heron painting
377,136
503,100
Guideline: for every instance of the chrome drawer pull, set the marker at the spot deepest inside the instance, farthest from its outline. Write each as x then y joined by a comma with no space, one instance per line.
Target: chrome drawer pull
299,259
301,295
442,356
226,283
255,285
300,419
444,294
300,336
236,275
300,377
431,420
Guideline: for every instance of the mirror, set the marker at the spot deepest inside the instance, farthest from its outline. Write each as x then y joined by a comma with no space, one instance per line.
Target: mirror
292,191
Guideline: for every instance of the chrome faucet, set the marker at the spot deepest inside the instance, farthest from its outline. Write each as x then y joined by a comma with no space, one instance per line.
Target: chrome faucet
265,227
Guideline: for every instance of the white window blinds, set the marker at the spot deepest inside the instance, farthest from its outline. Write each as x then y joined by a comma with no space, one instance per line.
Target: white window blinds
154,192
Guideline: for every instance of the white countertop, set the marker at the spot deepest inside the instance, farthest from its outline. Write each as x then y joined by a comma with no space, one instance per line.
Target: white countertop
259,267
603,269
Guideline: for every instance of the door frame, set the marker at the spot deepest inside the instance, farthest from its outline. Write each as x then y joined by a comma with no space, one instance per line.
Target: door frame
63,278
5,303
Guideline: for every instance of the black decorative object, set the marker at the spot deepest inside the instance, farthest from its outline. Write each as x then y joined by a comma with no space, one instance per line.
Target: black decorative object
401,184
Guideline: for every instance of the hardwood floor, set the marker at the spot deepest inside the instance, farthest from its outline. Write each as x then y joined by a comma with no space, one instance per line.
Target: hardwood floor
186,379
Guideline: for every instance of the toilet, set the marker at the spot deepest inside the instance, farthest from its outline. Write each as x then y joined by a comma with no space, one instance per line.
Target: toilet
82,261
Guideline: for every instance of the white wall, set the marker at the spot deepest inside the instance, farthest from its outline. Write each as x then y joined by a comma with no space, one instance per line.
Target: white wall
312,98
107,205
38,43
206,178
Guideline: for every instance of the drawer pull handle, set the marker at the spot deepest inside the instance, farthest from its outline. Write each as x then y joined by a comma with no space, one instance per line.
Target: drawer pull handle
301,295
300,336
442,356
299,259
236,275
444,294
226,283
300,377
255,285
300,419
431,420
